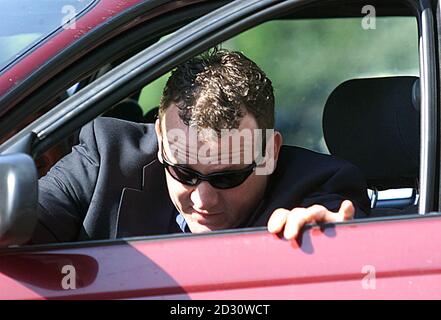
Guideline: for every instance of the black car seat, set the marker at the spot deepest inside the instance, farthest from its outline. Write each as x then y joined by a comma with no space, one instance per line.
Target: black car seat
374,123
151,115
127,109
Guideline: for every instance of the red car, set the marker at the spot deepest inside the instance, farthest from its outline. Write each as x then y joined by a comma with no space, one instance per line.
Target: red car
356,80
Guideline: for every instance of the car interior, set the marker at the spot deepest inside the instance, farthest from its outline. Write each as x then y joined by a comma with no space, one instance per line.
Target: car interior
372,122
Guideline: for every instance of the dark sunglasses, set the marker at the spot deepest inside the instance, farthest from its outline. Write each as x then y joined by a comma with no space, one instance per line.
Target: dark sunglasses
220,180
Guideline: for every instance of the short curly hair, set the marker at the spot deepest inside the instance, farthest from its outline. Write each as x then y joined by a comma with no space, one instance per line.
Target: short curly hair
216,89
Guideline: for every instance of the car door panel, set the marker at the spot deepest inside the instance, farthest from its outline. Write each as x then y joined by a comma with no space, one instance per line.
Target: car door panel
389,259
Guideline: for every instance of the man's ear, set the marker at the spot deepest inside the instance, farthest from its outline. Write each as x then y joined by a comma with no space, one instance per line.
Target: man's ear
158,129
278,141
158,132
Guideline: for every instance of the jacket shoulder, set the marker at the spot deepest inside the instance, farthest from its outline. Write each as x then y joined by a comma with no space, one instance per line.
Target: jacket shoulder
121,138
111,128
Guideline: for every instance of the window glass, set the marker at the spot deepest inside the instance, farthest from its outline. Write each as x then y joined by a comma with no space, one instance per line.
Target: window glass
307,59
24,23
151,95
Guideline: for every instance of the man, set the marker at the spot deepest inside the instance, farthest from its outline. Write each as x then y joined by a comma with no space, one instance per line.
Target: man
186,174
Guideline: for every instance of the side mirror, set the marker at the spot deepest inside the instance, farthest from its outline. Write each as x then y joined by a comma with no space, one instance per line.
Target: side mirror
18,198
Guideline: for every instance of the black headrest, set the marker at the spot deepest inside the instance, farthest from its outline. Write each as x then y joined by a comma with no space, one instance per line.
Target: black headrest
151,115
127,109
374,123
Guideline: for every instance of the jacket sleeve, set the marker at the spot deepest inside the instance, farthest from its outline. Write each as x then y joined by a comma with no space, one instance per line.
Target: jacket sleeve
347,183
66,190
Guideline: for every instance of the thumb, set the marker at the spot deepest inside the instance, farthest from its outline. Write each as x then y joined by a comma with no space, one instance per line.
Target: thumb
346,211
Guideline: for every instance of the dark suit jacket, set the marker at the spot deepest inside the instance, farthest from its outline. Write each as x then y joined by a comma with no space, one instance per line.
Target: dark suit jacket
111,185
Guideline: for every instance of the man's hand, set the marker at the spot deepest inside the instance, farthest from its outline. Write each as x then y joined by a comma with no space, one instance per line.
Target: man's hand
291,221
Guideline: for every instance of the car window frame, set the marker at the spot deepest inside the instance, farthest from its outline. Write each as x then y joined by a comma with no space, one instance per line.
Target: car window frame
428,111
83,68
67,66
190,43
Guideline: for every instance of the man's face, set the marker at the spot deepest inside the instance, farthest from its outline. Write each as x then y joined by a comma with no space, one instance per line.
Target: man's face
204,207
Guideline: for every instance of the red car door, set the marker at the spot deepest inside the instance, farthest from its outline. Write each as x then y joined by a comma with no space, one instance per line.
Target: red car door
367,260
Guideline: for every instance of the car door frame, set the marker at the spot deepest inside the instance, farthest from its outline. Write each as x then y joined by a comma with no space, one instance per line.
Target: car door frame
194,39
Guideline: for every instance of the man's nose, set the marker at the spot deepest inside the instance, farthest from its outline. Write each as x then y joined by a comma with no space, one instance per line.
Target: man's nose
204,196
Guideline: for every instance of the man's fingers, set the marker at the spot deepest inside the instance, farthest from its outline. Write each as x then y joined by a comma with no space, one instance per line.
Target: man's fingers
295,221
298,217
346,211
277,220
291,222
315,213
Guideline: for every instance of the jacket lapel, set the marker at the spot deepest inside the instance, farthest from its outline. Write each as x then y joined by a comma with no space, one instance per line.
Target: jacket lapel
147,211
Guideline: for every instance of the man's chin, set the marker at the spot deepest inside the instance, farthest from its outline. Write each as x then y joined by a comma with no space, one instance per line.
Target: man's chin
199,223
201,228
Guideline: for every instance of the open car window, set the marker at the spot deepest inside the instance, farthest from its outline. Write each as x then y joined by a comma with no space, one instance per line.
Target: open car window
307,59
314,57
305,73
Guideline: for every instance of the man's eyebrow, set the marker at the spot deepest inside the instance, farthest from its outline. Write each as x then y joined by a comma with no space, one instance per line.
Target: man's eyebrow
188,153
226,167
178,148
233,167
